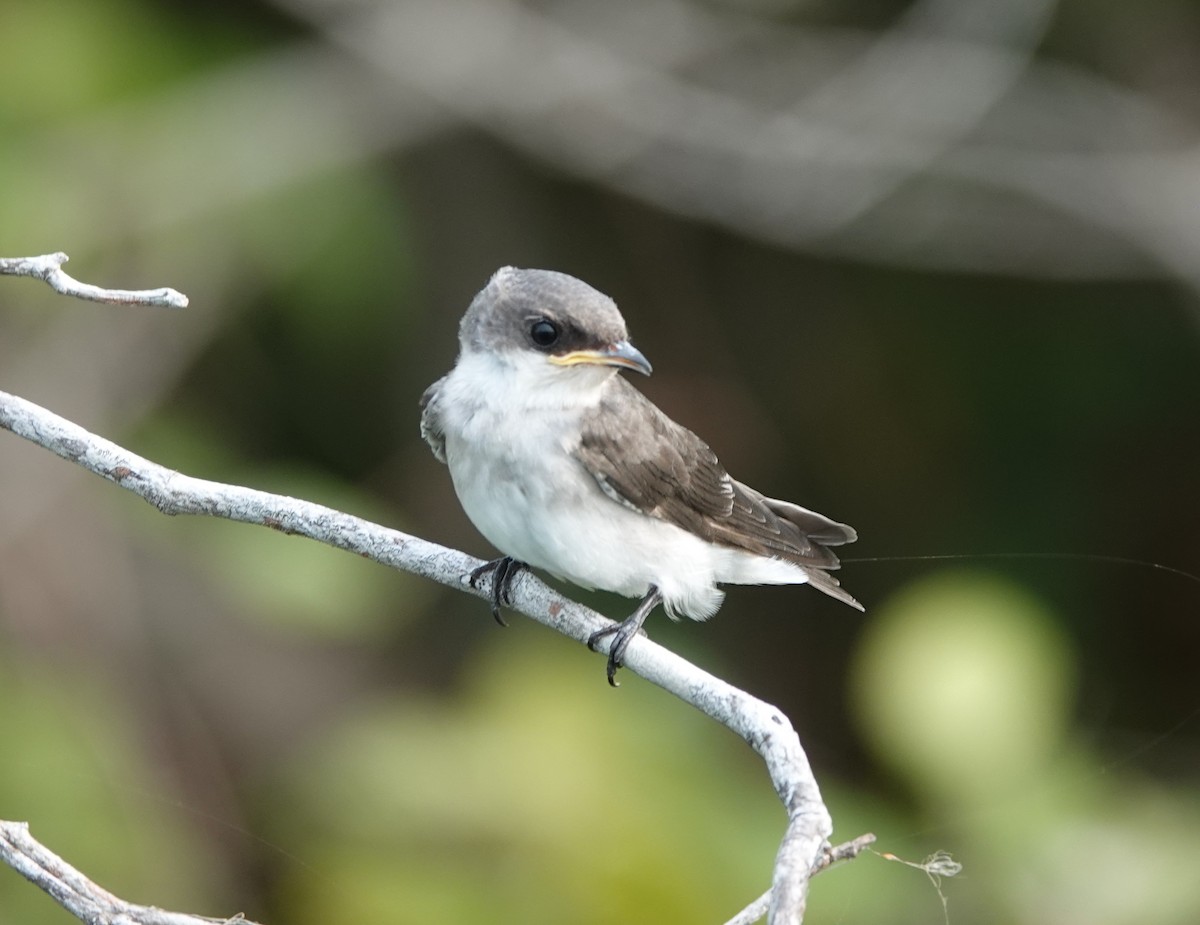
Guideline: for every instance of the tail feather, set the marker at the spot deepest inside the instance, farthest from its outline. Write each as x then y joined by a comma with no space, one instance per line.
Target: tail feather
815,526
825,582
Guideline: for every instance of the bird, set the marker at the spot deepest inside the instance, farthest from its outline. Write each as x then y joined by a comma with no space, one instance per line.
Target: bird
564,466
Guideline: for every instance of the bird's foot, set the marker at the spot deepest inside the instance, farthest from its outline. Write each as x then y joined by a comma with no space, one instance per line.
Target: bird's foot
506,568
624,632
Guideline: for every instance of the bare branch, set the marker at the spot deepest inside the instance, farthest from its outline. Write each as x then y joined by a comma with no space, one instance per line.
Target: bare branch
77,894
48,268
764,727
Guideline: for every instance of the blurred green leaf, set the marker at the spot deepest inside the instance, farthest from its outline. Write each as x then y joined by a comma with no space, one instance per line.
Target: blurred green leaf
964,684
76,771
541,796
67,56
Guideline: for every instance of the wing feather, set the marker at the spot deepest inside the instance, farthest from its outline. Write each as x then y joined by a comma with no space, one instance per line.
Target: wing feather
650,463
432,430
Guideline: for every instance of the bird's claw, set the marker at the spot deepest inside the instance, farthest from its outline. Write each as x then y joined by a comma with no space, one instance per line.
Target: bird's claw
506,568
622,634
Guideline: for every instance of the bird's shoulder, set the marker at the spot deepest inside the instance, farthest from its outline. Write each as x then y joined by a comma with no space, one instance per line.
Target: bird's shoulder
433,430
642,458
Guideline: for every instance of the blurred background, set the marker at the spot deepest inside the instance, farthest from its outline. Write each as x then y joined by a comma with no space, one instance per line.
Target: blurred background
929,267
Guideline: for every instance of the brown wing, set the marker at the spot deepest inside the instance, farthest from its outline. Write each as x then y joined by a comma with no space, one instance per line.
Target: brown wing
643,459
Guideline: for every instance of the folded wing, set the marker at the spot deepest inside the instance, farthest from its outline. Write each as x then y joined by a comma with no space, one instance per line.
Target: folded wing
644,460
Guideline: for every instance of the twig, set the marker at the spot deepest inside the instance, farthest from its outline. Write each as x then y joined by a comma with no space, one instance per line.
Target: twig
48,268
77,894
832,855
847,851
763,726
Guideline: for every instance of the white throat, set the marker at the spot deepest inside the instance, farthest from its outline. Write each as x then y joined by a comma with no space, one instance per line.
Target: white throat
526,381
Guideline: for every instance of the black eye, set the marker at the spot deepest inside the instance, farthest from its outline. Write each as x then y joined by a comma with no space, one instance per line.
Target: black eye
543,332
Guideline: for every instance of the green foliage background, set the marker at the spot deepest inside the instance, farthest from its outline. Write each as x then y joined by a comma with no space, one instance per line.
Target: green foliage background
212,718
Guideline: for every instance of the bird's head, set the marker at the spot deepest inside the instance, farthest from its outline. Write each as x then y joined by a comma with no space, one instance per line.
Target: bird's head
550,328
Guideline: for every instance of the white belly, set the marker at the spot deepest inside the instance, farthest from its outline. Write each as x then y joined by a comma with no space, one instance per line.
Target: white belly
551,514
